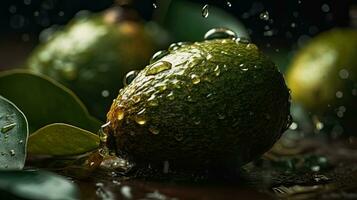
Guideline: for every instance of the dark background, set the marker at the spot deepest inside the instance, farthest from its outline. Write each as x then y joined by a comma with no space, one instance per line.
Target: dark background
292,22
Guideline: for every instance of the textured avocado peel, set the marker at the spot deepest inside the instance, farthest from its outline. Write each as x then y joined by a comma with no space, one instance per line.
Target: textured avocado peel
219,102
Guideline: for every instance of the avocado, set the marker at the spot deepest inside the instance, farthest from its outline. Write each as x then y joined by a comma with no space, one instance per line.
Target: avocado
218,102
323,77
91,53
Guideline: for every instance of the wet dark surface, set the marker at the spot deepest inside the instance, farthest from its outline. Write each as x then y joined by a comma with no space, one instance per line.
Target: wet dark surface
309,168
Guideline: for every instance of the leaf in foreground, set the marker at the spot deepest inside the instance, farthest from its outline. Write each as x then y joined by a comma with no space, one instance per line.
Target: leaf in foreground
36,185
13,136
44,101
62,140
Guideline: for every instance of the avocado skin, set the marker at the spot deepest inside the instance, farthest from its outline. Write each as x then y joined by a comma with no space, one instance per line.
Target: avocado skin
227,119
91,54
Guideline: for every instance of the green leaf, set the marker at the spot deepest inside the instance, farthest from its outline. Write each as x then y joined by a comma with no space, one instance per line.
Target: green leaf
44,101
36,185
13,136
184,20
62,140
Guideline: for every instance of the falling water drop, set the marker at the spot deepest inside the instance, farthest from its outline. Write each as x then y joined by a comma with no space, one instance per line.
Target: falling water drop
205,11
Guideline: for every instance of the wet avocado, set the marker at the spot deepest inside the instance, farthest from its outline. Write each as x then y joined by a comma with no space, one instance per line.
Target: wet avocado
219,102
91,53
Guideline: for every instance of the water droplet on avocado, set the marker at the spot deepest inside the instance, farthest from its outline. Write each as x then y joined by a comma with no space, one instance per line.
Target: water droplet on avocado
154,130
251,46
152,101
242,40
219,33
229,4
171,96
217,71
159,67
129,77
195,79
179,137
154,5
221,116
120,113
8,127
158,55
140,118
205,11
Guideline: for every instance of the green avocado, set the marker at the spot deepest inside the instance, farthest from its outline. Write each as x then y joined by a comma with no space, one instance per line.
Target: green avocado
91,53
323,77
219,102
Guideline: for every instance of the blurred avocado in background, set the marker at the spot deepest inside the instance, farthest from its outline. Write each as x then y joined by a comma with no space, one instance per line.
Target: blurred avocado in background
323,78
92,54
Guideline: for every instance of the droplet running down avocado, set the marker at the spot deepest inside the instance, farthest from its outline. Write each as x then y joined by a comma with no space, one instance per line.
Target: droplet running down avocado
219,102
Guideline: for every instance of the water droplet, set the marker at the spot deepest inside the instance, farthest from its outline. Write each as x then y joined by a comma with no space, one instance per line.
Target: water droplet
293,25
179,137
343,74
205,11
221,116
129,77
339,94
196,121
154,5
158,67
219,33
126,192
251,46
120,113
152,101
158,55
171,96
217,71
195,79
293,126
325,8
315,168
21,141
8,127
244,69
12,152
154,130
319,125
229,4
105,93
264,16
242,40
139,118
136,98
